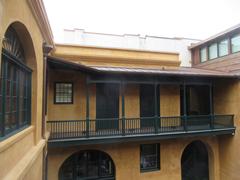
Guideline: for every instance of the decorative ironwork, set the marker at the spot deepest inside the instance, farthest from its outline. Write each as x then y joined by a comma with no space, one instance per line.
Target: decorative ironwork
12,44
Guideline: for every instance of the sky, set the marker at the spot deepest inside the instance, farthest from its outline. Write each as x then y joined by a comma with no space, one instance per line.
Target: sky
198,19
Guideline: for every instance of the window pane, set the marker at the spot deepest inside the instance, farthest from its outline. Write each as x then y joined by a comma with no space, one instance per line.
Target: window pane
150,158
63,93
203,54
213,51
223,47
235,42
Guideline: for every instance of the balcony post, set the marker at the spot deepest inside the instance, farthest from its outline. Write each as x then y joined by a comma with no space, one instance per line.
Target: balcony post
123,108
184,107
87,108
155,108
211,106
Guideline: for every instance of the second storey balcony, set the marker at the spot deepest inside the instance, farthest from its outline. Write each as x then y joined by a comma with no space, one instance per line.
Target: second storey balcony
93,108
116,129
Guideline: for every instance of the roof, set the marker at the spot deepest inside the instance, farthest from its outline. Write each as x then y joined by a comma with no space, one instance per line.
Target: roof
180,71
236,27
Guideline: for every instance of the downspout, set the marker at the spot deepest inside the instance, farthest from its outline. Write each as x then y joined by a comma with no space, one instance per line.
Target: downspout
46,50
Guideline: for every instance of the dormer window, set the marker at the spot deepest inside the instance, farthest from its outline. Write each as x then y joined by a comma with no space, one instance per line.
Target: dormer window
223,48
203,54
213,51
235,43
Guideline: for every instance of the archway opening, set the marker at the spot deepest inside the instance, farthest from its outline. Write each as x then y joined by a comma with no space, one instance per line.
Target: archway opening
89,164
194,162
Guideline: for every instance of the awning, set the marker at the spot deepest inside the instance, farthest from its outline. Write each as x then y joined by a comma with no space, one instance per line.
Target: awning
179,71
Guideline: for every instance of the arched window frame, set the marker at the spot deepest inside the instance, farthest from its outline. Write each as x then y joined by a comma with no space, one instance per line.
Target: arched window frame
15,83
72,164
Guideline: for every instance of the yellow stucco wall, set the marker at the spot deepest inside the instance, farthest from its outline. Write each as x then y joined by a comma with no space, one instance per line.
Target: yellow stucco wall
73,111
169,98
126,157
226,101
21,153
127,167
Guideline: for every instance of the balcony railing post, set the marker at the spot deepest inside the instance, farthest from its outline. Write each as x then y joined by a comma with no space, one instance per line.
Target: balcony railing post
155,109
123,108
211,106
212,121
87,109
184,107
232,121
185,122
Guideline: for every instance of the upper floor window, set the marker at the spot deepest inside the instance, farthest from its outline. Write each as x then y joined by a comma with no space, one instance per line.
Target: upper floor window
235,43
220,48
150,157
15,81
213,51
203,54
63,93
223,47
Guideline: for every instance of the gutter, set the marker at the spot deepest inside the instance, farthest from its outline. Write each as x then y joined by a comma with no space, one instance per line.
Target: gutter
46,50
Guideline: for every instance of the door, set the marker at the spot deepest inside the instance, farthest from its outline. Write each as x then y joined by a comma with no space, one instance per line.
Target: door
147,105
107,106
194,162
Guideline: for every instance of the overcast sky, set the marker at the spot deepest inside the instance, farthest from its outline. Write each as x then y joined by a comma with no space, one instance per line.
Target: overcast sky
197,19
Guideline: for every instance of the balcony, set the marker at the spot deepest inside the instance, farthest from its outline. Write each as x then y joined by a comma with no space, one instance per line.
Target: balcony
74,132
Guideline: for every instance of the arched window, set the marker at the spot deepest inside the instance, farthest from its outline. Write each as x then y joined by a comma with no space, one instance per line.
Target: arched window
87,165
15,86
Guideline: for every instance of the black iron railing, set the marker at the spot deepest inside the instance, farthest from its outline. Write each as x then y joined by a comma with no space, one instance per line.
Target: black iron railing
136,126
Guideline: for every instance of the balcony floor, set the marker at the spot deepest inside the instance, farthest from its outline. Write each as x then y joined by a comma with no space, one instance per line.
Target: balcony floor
117,136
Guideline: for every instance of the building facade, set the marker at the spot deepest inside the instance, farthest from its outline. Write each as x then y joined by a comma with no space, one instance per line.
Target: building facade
149,117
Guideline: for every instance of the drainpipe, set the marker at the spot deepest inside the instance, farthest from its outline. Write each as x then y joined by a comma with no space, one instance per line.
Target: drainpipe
46,50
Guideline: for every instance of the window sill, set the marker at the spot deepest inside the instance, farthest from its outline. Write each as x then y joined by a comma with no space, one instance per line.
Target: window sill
149,170
9,140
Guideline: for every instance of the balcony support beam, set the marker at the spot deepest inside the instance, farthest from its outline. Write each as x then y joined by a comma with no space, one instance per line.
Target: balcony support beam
211,106
87,108
155,108
122,88
184,107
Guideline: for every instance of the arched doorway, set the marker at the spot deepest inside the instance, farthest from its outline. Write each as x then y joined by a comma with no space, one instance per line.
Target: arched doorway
194,162
90,164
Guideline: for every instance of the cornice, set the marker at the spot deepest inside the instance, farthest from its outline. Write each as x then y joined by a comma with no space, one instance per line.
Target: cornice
40,15
112,55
